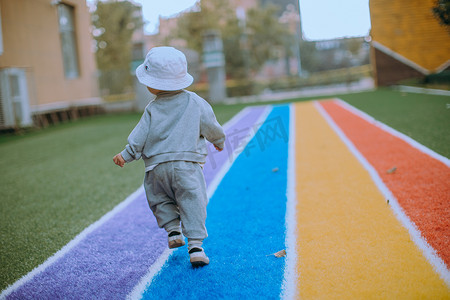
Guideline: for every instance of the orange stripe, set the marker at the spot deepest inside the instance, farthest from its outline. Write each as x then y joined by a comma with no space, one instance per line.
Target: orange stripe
420,183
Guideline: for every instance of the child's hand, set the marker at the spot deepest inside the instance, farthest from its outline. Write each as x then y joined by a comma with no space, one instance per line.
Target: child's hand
217,148
118,160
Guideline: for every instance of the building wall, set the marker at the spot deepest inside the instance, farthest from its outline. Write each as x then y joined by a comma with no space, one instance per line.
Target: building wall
406,31
391,70
31,40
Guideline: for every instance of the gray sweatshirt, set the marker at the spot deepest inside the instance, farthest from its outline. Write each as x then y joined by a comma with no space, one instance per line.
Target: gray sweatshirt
174,127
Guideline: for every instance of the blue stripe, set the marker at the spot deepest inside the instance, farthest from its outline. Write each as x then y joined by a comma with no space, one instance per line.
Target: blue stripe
246,223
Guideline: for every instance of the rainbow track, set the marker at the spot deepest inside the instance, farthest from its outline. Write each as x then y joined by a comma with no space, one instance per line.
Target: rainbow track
362,211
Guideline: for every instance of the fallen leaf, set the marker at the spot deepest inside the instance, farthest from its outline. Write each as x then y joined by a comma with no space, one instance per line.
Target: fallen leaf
280,253
390,171
275,170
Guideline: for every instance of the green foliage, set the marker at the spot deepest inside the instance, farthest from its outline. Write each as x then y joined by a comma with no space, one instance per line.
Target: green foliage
309,57
441,11
438,78
246,48
207,15
283,4
234,49
266,35
115,22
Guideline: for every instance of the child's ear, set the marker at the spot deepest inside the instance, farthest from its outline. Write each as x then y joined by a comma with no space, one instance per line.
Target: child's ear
153,91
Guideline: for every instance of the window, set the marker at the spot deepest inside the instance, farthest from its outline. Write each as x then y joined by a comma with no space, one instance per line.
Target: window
68,41
14,102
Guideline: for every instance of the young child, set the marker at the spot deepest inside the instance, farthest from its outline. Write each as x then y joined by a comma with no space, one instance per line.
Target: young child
170,138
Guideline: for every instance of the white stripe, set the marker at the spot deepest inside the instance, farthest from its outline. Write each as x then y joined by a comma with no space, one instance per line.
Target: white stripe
394,132
63,251
429,253
146,281
289,288
236,118
417,90
224,169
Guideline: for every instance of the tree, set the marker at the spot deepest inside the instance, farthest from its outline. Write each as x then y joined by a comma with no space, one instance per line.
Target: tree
246,48
441,11
206,15
266,35
114,23
310,59
282,4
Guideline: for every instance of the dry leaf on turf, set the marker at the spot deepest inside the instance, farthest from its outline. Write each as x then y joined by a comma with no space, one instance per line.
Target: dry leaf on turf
390,171
281,253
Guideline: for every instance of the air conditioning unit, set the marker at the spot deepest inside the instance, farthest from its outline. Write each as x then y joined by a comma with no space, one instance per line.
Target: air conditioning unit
14,100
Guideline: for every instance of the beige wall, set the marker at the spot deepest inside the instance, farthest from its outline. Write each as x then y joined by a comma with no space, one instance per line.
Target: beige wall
31,40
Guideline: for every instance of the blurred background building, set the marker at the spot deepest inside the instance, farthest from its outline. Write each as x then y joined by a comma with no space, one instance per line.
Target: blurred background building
291,61
48,71
60,60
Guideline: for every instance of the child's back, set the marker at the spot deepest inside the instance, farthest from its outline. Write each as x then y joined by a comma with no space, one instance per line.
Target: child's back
170,137
174,127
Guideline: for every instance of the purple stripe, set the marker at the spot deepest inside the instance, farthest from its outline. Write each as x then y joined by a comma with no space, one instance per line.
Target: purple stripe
235,134
110,261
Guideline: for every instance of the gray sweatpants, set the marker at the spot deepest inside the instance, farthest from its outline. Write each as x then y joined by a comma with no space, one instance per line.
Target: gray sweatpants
176,191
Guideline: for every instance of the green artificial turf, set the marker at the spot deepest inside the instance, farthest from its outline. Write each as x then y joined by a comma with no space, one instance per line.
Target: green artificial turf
57,181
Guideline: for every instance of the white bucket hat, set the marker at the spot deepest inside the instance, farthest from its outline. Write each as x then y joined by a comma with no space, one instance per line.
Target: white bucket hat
164,68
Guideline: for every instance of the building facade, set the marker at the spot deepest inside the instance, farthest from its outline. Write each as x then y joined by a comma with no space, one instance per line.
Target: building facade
47,63
407,40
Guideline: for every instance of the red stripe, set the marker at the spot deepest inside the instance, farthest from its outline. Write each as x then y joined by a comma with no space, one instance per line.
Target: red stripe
421,184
